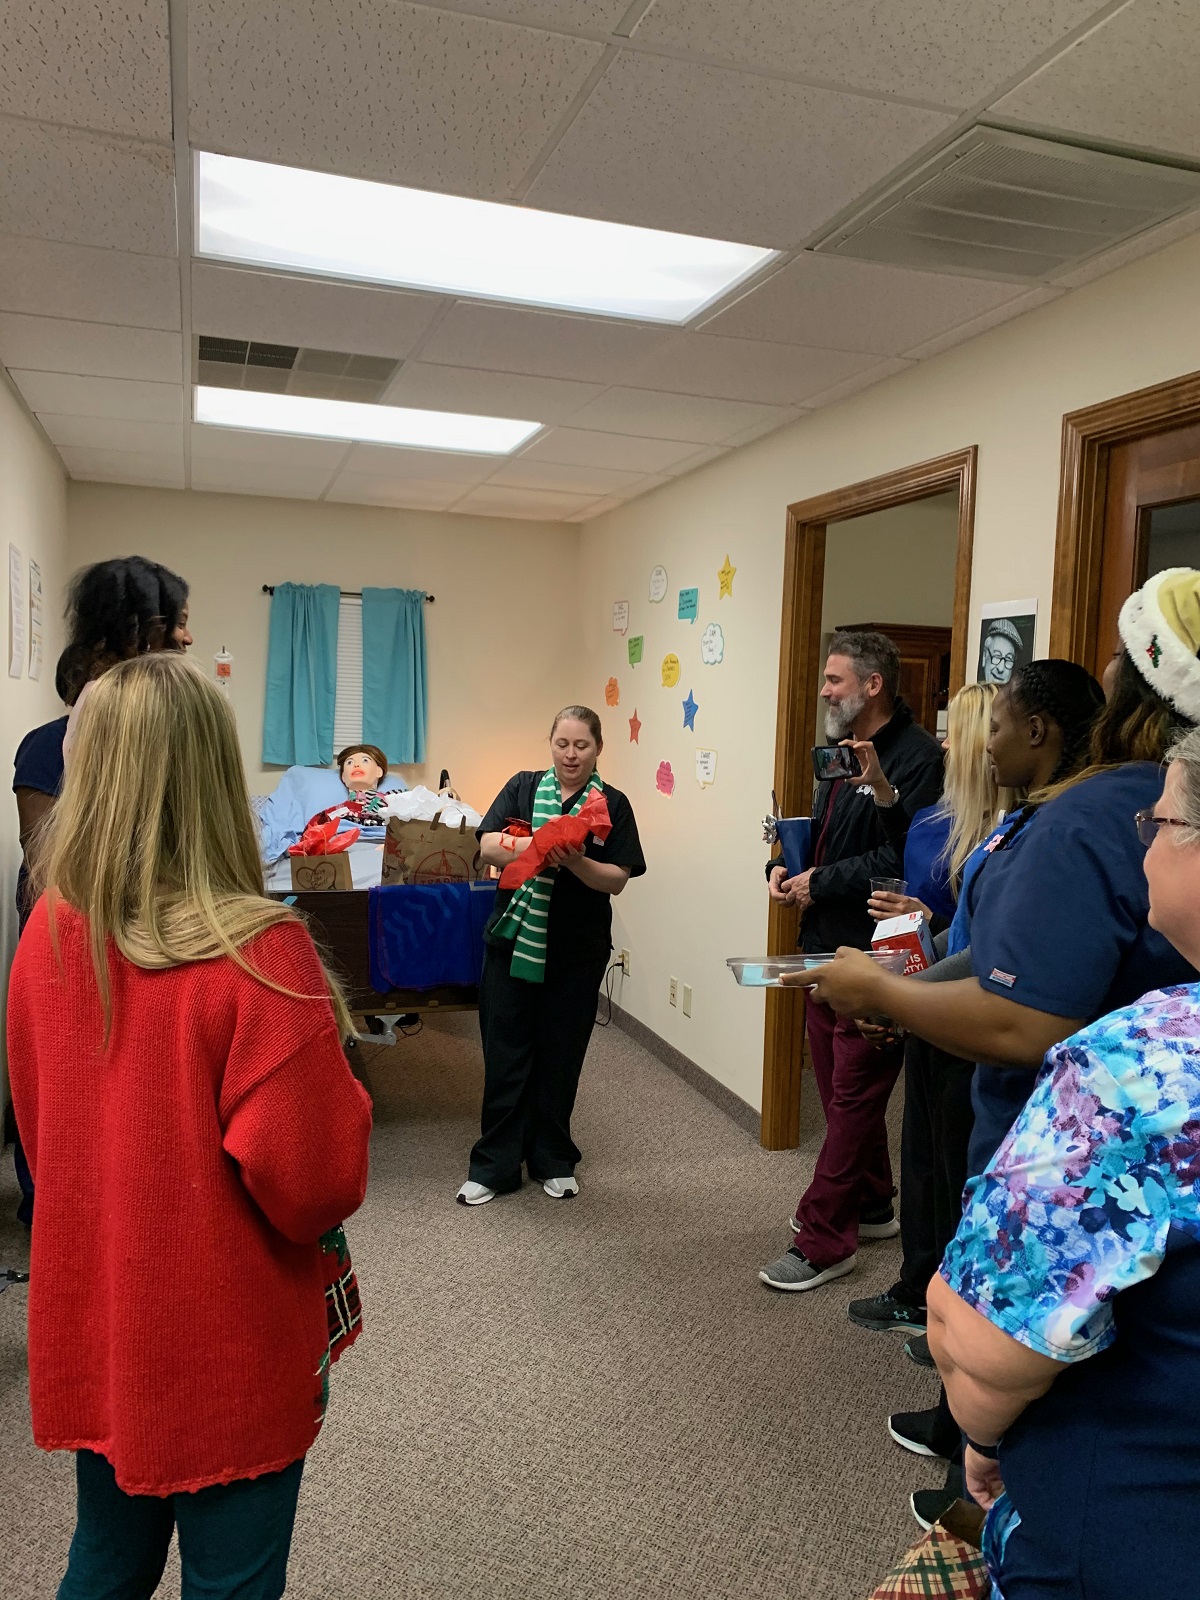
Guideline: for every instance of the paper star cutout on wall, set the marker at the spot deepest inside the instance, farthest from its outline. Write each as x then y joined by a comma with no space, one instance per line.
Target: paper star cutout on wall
690,708
635,727
725,575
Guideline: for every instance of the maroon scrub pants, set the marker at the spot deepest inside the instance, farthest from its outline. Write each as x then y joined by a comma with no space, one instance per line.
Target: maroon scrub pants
854,1172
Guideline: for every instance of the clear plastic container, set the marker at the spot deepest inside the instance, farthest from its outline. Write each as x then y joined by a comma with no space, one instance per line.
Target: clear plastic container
766,972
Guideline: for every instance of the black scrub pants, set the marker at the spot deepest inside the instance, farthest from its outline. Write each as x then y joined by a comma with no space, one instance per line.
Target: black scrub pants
934,1140
535,1036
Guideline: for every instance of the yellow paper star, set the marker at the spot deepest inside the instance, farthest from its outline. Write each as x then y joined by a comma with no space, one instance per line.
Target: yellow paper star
725,574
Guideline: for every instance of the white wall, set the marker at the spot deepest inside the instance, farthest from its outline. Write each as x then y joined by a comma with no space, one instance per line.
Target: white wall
1005,391
33,516
501,635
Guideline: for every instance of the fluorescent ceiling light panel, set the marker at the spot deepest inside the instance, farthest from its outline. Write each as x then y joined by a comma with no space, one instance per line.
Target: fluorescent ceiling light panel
365,424
259,214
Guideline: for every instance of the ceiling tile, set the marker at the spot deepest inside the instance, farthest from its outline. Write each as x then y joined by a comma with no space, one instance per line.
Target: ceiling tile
122,398
49,279
598,508
55,344
1131,81
854,305
489,394
1142,244
666,144
264,449
87,188
495,500
436,466
950,51
598,15
539,342
526,473
380,89
249,477
744,369
674,416
583,448
415,494
268,306
125,466
701,458
113,433
989,319
756,430
875,373
96,66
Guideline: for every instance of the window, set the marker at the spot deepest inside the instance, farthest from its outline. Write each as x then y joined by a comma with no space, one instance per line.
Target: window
348,706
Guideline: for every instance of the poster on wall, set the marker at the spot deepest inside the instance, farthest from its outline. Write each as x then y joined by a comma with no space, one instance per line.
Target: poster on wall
35,621
16,612
1006,635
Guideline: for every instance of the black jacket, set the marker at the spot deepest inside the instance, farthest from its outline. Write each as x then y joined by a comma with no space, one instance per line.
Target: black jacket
857,847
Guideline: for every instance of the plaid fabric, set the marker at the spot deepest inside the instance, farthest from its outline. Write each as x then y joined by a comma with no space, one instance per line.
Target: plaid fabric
342,1303
940,1567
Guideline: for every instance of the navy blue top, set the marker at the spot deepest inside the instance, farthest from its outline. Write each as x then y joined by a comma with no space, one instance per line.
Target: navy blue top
1059,924
925,866
38,765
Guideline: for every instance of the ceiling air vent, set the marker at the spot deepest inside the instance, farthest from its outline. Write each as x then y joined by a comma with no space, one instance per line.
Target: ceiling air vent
995,204
291,369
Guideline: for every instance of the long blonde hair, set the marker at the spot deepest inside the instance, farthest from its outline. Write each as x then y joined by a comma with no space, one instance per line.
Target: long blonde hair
971,797
153,839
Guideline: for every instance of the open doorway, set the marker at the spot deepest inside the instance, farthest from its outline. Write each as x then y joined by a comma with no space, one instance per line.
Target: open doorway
893,553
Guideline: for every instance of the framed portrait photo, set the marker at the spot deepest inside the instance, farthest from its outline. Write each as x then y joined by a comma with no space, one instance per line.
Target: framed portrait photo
1006,639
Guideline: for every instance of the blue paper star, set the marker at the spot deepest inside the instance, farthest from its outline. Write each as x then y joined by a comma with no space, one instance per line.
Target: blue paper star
690,709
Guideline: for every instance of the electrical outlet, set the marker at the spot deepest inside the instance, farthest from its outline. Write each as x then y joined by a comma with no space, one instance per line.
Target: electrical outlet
687,999
623,958
674,991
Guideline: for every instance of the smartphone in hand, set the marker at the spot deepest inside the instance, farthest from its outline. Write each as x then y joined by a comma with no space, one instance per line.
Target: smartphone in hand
834,761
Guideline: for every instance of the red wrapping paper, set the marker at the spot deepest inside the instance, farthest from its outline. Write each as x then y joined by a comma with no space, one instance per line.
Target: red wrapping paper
323,839
592,817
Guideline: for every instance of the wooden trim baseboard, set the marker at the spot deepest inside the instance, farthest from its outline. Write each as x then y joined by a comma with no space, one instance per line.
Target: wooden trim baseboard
1087,437
796,717
684,1067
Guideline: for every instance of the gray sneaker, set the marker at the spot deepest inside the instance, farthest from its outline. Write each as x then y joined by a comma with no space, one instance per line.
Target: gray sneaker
795,1271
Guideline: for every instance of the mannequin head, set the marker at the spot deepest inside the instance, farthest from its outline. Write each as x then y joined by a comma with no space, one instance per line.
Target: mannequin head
362,766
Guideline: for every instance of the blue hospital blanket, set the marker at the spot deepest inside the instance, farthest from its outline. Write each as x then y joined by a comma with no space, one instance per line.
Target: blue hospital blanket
300,793
423,935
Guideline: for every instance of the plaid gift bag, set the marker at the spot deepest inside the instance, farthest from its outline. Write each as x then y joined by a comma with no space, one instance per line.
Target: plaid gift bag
942,1566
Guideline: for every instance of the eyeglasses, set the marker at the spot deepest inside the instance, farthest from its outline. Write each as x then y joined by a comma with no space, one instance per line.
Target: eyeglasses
1148,825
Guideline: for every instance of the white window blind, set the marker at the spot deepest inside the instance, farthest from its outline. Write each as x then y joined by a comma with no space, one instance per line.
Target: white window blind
348,703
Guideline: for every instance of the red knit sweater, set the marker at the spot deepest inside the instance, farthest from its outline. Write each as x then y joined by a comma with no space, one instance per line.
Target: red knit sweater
177,1318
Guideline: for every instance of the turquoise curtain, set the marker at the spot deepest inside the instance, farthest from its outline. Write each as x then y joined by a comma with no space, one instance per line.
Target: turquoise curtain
394,679
301,675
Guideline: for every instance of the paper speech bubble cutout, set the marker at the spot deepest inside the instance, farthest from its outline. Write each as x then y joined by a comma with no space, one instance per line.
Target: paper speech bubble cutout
670,671
658,585
706,767
689,604
664,779
712,645
635,649
620,616
612,693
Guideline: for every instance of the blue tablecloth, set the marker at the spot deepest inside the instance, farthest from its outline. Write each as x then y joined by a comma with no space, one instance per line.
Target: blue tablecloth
424,935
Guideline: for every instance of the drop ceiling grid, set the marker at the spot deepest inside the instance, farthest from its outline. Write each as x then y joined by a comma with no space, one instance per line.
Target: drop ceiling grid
796,339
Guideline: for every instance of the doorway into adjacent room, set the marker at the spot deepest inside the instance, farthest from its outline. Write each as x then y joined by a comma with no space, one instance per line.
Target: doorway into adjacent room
1129,506
892,553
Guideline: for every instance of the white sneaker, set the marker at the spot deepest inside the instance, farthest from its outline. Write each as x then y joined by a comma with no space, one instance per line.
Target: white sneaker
561,1188
474,1194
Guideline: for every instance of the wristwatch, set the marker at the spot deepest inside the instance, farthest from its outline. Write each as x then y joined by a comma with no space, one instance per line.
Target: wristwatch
991,1451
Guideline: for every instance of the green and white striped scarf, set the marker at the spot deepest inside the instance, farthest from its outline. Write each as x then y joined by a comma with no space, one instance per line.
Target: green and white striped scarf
527,917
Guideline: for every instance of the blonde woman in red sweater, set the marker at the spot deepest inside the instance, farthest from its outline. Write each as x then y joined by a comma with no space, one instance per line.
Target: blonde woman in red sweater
175,1049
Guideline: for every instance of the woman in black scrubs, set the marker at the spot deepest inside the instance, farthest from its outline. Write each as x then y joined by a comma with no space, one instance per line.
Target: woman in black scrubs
542,971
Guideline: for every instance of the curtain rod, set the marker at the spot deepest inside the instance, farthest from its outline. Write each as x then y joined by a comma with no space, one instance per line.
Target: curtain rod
346,594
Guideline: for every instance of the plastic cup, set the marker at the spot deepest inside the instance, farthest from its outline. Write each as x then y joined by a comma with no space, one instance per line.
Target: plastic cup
889,885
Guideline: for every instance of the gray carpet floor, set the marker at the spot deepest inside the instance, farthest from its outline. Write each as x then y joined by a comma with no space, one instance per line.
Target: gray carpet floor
592,1398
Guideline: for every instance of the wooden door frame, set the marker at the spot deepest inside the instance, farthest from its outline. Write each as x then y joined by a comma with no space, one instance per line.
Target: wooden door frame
796,719
1088,437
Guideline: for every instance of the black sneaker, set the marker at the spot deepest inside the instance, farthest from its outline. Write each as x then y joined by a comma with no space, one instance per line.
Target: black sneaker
925,1433
881,1223
895,1308
930,1504
917,1351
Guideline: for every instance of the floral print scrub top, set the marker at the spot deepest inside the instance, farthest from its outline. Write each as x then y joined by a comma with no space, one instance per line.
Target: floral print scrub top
1082,1241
